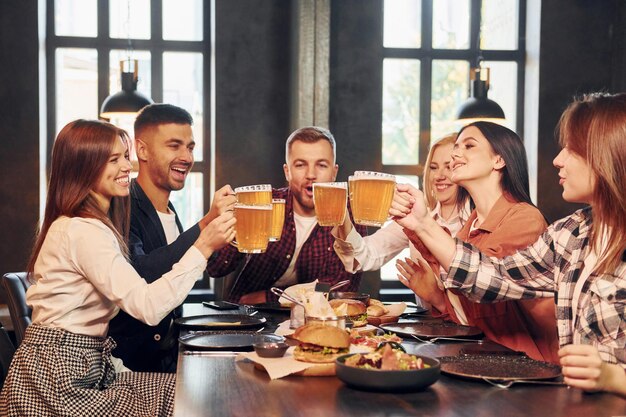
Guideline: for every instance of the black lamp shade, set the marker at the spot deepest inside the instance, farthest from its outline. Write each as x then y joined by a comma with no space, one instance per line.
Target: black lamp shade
478,106
126,102
123,102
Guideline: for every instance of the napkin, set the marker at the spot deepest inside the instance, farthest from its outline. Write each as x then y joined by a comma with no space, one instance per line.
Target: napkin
297,291
395,309
283,329
316,305
277,367
287,365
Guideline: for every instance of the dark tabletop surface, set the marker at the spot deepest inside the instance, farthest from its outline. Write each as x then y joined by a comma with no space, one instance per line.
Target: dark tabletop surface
214,384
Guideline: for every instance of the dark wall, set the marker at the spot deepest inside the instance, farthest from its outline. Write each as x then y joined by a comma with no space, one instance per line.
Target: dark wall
356,84
580,53
355,93
252,89
19,132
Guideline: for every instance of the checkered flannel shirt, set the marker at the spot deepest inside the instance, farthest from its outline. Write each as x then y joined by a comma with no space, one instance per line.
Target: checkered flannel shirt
317,259
551,267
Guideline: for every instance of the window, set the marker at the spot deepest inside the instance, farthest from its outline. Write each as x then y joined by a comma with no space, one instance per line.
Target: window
85,41
428,49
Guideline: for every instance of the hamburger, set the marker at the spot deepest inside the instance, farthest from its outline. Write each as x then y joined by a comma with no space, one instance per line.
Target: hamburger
320,344
355,310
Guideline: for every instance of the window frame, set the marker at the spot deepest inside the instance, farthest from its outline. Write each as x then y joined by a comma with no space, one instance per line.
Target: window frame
157,46
426,54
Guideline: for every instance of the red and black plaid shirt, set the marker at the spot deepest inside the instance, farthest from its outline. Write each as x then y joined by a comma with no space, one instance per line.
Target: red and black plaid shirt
317,259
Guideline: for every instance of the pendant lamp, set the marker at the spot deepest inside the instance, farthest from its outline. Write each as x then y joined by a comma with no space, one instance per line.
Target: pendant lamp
128,101
478,106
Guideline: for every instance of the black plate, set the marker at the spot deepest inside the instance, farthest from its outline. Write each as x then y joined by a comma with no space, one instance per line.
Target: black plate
272,307
431,329
220,322
212,341
377,380
501,367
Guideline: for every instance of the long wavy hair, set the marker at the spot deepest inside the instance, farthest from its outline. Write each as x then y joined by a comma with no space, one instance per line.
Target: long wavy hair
594,127
509,146
79,156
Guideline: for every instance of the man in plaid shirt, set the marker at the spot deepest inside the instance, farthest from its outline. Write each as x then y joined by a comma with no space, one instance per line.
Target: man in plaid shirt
304,252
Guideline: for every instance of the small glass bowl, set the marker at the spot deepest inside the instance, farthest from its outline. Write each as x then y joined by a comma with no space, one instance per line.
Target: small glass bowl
269,345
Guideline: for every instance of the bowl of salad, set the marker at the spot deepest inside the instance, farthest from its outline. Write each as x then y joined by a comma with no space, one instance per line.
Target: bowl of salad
388,368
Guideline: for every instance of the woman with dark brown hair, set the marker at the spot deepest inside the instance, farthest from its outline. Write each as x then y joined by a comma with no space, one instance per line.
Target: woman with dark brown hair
580,260
488,163
81,279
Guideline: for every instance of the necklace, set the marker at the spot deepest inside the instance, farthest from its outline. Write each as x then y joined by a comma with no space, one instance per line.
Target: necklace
447,218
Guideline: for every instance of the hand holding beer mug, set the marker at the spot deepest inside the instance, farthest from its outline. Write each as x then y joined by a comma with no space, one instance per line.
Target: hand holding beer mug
330,200
254,194
371,194
278,218
252,230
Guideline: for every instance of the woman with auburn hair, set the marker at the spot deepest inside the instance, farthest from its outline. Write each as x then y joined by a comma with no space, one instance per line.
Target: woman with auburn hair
489,164
81,278
371,252
580,258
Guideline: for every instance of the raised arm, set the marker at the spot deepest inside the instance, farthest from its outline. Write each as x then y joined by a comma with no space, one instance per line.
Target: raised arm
409,211
160,260
371,252
96,254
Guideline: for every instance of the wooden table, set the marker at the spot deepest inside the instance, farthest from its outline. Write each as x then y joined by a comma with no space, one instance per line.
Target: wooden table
216,385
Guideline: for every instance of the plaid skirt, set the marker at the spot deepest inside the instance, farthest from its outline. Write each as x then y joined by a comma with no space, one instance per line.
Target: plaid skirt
58,373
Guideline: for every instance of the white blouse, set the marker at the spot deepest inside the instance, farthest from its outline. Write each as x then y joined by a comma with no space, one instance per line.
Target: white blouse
370,253
82,280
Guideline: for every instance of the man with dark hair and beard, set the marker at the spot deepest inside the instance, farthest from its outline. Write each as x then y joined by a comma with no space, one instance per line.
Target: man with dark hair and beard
164,144
304,252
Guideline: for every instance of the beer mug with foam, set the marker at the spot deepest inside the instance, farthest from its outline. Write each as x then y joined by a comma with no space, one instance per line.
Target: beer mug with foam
278,218
254,194
371,194
252,230
330,200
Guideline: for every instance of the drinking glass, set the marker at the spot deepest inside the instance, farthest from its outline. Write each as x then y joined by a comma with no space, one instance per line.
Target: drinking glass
330,200
371,194
252,230
254,194
278,218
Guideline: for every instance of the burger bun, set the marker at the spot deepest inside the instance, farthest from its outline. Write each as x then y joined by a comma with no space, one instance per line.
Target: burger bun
354,307
376,311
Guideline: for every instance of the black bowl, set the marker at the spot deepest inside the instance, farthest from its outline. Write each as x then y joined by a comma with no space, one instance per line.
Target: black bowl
364,298
377,380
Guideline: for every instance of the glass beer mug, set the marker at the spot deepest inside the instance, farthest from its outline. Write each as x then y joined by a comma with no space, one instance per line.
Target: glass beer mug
252,230
330,200
278,218
371,194
254,194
